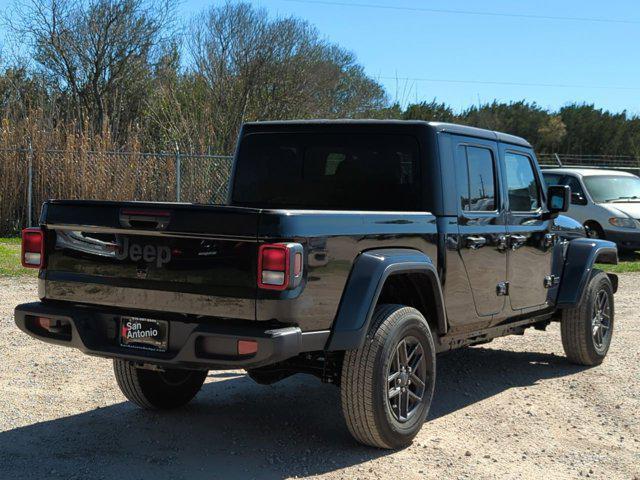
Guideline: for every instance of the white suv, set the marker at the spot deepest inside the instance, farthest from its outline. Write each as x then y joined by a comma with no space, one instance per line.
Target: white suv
606,202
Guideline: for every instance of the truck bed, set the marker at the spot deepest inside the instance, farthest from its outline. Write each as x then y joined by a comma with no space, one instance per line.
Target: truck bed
202,259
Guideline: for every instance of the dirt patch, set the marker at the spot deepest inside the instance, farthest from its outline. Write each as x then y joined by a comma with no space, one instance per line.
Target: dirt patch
511,409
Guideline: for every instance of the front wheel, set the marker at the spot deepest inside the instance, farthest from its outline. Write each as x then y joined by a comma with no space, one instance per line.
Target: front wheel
387,384
157,389
593,230
587,329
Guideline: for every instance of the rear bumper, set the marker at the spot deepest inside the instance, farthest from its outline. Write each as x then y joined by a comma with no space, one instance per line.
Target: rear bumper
197,344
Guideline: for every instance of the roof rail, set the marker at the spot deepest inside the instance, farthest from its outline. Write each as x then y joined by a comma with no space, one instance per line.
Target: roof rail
558,160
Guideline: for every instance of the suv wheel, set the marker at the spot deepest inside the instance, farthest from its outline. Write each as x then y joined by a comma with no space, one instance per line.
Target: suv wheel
156,389
593,230
587,329
387,384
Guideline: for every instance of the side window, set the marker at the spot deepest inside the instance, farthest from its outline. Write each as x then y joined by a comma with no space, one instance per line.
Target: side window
552,178
574,183
476,182
521,183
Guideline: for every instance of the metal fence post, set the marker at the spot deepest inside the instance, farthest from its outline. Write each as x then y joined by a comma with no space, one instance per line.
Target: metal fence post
29,184
178,174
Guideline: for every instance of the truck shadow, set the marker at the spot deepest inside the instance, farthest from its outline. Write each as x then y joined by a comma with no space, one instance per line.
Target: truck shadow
237,429
470,375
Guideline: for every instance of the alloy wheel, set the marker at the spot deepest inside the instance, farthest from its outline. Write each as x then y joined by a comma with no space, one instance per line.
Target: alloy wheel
406,379
601,321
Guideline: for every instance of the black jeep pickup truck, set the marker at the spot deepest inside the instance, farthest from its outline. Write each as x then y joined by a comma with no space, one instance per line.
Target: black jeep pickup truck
354,251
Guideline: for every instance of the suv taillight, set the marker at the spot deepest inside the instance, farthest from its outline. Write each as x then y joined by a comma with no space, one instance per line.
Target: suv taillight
32,248
279,266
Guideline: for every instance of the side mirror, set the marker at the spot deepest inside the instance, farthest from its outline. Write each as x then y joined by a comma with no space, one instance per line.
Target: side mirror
558,198
578,199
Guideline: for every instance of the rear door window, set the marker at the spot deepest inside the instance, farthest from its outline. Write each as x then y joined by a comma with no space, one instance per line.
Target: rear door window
476,182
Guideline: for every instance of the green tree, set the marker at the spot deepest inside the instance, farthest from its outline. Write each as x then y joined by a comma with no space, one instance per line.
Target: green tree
429,111
255,67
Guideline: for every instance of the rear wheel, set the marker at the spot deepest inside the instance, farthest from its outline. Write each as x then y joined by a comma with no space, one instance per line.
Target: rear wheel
387,385
588,328
156,389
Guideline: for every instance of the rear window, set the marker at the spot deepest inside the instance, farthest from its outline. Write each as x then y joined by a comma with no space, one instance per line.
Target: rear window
328,171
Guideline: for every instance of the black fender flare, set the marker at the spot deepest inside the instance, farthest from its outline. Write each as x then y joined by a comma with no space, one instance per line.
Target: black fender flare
582,254
368,275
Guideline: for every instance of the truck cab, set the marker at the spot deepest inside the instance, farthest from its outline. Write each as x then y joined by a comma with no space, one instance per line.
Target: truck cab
501,224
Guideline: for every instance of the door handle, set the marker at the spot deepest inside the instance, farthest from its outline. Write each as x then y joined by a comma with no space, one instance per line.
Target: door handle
517,241
475,243
148,219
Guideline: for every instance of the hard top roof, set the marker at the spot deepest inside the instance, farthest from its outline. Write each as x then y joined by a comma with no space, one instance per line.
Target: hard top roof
587,172
437,126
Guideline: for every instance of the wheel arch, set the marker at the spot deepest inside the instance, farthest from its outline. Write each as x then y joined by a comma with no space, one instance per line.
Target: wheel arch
398,275
593,223
582,255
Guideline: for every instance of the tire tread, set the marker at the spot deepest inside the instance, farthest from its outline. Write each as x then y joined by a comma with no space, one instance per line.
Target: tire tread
148,393
572,326
129,383
358,375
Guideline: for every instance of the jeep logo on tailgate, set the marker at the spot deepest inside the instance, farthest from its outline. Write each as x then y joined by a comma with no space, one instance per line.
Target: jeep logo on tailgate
148,253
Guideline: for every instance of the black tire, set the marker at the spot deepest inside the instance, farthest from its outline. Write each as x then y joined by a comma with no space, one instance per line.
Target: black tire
371,416
587,329
594,230
155,389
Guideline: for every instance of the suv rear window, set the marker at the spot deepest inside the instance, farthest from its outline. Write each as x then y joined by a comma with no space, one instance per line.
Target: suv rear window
328,171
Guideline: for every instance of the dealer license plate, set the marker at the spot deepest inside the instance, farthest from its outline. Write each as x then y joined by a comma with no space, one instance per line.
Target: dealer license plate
144,333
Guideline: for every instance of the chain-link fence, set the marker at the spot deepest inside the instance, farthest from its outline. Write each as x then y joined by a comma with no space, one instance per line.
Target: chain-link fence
28,177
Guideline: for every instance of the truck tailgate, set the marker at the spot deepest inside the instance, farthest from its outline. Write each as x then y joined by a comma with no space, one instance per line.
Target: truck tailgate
183,258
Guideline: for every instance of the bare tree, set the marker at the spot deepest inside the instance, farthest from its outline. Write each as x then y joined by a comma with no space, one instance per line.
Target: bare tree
251,67
98,52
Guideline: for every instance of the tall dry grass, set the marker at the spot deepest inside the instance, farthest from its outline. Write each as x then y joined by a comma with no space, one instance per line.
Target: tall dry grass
78,166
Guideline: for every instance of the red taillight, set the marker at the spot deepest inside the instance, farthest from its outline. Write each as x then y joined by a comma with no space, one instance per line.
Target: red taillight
279,266
43,322
273,266
274,258
247,347
32,248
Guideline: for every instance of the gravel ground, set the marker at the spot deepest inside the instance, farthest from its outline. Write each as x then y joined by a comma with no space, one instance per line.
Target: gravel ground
512,409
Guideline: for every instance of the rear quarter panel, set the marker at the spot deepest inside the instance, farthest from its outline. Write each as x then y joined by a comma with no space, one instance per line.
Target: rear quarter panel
333,240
